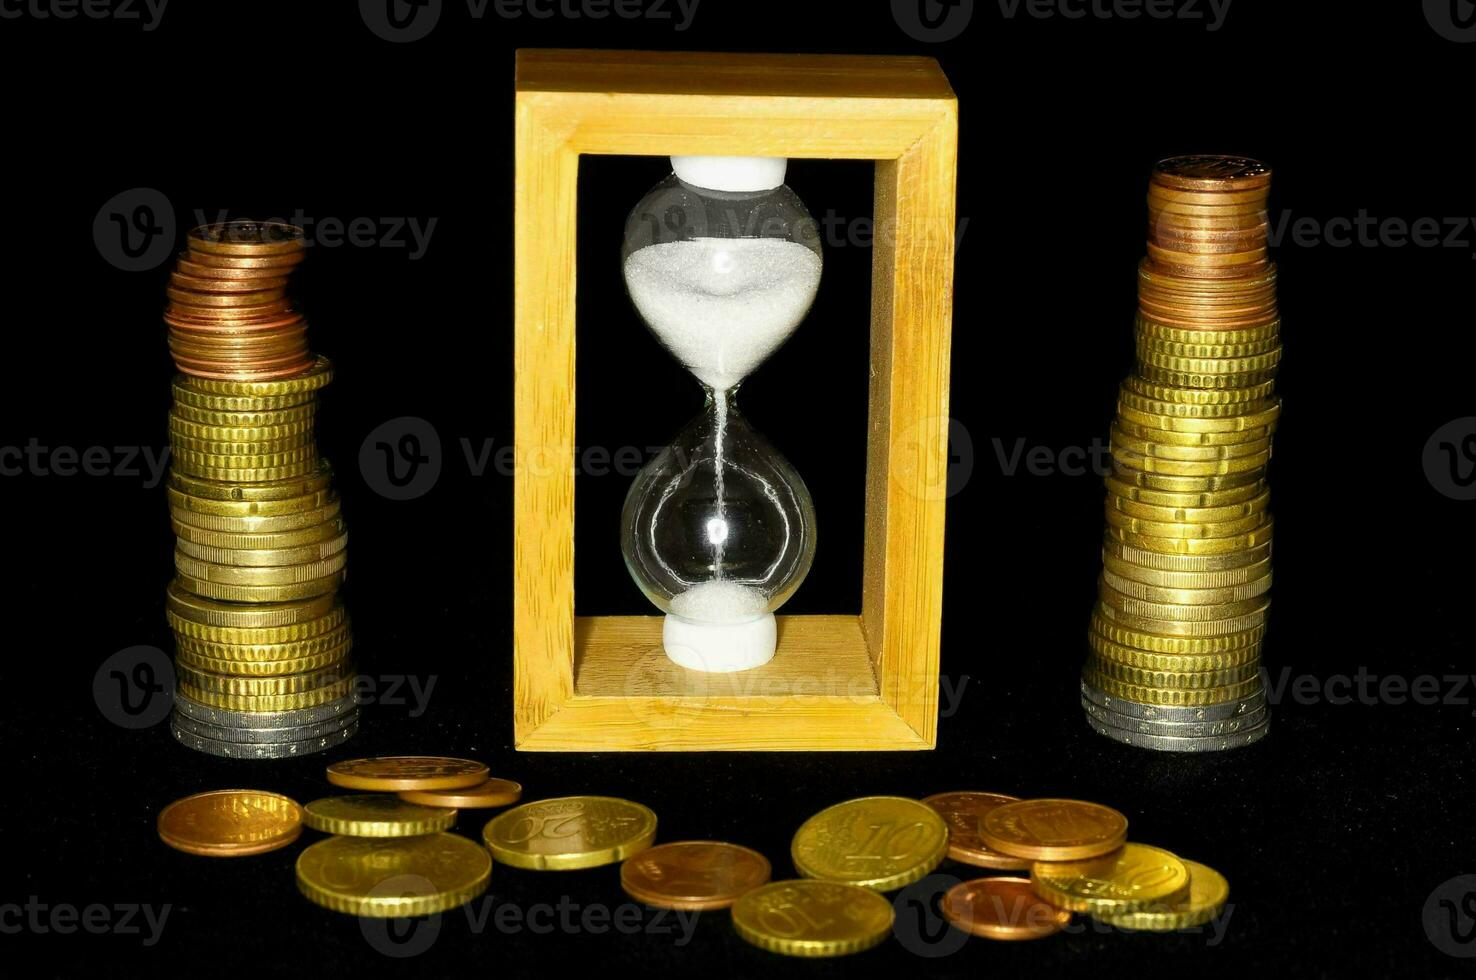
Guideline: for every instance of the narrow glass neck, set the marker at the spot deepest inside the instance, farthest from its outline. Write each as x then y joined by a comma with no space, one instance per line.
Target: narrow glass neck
728,396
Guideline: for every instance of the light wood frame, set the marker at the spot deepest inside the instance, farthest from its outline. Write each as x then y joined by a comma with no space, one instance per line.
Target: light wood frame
836,682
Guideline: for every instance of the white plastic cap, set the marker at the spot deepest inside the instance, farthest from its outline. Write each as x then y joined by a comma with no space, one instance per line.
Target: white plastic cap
731,173
720,648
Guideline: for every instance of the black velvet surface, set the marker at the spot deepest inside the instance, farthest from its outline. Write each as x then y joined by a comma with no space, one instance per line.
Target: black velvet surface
1335,832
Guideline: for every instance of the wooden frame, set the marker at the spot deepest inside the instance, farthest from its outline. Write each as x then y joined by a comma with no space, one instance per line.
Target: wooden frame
836,682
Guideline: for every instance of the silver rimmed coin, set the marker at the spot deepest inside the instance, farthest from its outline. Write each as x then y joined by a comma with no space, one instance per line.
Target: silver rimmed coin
296,718
263,750
1173,743
1160,712
264,736
1189,729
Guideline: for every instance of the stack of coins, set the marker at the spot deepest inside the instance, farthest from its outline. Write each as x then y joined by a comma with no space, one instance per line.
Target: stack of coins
228,314
262,640
1177,630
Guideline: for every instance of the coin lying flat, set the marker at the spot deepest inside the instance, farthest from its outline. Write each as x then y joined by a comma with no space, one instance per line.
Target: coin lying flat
696,875
1002,908
880,842
1132,878
296,733
392,773
570,832
1054,830
264,750
1208,893
393,878
812,918
494,792
375,815
1177,743
964,813
230,823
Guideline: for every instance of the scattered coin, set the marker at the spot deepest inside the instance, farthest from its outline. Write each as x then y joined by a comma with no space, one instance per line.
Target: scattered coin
1130,879
1002,908
393,878
492,793
964,813
394,773
1054,830
697,875
812,918
880,842
375,815
230,823
570,832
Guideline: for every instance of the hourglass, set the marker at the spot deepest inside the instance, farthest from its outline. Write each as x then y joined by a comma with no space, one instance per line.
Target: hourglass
722,261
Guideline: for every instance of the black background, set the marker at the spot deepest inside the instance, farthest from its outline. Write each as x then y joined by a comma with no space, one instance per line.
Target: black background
1333,831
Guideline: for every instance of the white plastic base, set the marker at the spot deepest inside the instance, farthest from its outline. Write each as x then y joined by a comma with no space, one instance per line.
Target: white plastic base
731,173
720,648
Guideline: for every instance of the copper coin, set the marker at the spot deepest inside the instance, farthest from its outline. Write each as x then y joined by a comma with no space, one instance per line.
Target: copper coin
247,238
230,823
494,792
201,284
186,266
283,322
964,813
1158,194
213,315
285,260
1002,908
1054,830
221,374
1208,172
394,773
695,875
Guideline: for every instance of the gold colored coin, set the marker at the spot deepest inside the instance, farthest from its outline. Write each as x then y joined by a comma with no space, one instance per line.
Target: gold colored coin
200,462
1054,829
1184,484
230,823
570,832
260,541
1152,434
1146,660
247,474
812,918
247,238
263,593
395,773
258,574
1186,597
1168,499
1190,515
237,642
1135,877
309,663
1198,396
1148,414
1208,893
1222,579
1174,562
1177,645
375,815
1146,327
394,878
1171,697
180,501
1002,908
196,609
1175,529
1158,464
256,449
964,813
298,414
1186,680
257,686
492,793
1238,543
1167,449
1186,350
313,482
879,842
260,523
1183,627
264,557
268,702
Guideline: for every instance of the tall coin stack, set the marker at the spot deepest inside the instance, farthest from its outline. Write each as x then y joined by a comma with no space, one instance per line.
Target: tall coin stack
262,639
1181,612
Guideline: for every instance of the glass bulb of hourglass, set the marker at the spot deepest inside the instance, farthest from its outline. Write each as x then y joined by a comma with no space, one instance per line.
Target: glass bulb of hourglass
719,529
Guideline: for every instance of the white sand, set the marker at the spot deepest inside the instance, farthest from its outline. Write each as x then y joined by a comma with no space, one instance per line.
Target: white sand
719,602
722,305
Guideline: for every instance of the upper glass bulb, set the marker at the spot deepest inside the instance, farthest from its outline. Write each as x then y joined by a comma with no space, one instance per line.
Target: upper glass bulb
722,261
